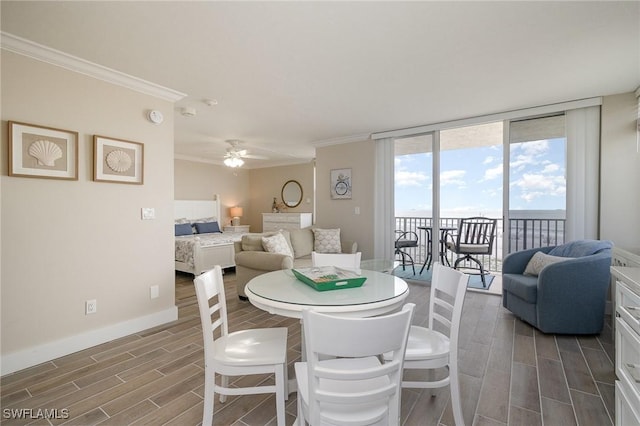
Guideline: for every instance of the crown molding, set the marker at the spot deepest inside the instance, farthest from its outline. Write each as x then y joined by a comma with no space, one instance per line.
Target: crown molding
58,58
342,140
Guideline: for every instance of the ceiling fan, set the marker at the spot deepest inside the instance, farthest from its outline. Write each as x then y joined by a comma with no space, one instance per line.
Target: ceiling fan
235,154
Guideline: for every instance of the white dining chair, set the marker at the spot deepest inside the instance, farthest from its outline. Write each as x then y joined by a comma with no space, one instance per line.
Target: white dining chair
343,381
342,260
243,352
436,346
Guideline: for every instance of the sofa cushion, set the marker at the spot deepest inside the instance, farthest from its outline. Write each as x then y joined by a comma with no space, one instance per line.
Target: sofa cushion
277,244
302,242
539,261
523,286
327,240
581,248
252,242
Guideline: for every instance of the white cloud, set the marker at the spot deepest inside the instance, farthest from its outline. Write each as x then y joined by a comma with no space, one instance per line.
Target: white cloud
538,185
488,160
493,173
549,168
407,178
453,177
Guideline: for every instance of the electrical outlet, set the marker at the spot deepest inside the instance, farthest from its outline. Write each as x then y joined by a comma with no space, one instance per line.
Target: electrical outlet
90,307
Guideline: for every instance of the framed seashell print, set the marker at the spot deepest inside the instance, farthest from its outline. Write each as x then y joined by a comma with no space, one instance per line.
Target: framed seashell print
117,160
42,152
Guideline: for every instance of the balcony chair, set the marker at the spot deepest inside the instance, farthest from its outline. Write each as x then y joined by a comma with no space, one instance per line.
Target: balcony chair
559,289
436,346
243,352
343,381
473,238
405,240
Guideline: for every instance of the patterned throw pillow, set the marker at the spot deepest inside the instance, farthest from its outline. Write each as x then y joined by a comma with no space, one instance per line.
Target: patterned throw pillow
539,261
277,244
327,240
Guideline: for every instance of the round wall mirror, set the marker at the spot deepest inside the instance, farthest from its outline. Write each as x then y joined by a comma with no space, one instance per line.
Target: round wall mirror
291,193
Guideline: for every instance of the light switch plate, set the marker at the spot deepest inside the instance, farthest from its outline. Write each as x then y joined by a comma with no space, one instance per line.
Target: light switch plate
148,213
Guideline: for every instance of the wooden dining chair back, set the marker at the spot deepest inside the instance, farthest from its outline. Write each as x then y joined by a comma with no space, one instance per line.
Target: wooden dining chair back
243,352
343,381
342,260
436,346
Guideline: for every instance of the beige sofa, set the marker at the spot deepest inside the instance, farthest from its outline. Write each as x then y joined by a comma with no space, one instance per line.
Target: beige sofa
252,260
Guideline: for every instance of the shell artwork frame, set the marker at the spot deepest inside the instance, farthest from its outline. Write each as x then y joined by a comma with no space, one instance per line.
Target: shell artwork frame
42,152
117,160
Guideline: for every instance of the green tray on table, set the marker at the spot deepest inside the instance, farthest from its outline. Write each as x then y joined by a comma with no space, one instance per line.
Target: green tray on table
323,278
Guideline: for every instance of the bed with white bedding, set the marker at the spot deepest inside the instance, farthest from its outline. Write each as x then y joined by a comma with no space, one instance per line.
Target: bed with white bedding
198,252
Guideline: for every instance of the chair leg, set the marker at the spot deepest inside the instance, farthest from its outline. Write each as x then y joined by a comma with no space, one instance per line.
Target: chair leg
209,397
280,393
456,402
482,273
224,382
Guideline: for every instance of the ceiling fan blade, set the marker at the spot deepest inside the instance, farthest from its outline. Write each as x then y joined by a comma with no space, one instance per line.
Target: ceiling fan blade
255,157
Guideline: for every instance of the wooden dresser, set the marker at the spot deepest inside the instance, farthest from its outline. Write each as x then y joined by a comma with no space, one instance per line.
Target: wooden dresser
276,221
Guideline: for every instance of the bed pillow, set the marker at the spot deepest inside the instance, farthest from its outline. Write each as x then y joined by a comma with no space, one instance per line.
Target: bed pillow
207,227
327,240
539,261
183,229
182,220
277,244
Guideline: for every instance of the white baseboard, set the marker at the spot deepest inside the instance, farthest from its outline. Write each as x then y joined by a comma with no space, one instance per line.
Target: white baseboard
38,354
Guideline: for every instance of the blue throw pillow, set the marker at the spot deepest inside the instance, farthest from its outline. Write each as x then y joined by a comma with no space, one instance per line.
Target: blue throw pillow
183,229
207,227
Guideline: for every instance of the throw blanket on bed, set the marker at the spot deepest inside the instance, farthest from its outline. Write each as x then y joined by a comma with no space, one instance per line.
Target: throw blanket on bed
185,244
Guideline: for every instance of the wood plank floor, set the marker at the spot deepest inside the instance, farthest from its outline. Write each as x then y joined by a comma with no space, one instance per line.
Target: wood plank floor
510,374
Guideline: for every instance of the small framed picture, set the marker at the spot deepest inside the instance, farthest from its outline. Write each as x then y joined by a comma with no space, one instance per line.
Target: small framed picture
341,184
117,160
42,152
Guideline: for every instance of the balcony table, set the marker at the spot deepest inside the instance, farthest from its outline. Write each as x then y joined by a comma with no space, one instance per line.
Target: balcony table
442,250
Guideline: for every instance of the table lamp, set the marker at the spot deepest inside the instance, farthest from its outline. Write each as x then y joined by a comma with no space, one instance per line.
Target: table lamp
236,214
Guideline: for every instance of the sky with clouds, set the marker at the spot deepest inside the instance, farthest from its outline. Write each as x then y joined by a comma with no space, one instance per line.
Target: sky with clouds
471,180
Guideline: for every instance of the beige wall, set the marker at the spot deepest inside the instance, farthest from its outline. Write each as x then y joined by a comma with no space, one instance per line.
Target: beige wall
266,183
64,242
620,177
360,158
200,181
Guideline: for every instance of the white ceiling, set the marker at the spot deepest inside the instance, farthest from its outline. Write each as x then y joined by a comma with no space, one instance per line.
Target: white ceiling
289,76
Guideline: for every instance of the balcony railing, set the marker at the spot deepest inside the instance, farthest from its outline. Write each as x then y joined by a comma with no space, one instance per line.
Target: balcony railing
523,234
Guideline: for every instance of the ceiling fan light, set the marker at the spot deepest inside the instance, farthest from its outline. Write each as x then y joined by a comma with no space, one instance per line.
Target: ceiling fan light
233,162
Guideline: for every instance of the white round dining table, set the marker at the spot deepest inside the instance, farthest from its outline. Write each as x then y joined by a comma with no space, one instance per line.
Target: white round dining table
281,293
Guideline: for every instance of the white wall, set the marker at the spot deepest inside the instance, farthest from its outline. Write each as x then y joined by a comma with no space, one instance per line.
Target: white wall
359,157
266,183
200,181
64,242
620,162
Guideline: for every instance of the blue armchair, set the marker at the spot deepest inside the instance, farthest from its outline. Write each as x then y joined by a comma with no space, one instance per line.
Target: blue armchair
567,296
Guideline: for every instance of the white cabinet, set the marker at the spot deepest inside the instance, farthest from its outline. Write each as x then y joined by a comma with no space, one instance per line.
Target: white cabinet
276,221
627,339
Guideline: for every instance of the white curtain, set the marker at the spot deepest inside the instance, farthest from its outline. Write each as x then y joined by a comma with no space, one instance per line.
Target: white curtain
583,173
384,211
